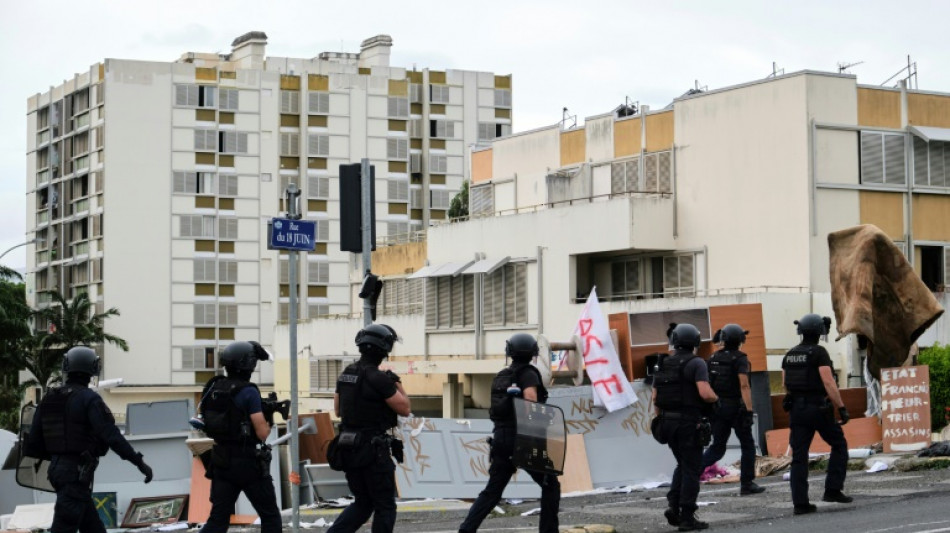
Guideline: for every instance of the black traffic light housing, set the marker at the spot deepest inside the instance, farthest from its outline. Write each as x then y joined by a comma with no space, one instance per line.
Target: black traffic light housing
371,289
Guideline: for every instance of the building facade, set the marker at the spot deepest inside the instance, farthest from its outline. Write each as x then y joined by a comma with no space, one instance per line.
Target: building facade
719,203
150,185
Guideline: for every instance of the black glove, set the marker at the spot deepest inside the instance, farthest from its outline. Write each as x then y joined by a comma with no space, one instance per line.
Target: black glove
393,376
143,468
748,418
843,413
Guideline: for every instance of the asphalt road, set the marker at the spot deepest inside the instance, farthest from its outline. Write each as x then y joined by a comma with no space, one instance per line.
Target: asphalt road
885,502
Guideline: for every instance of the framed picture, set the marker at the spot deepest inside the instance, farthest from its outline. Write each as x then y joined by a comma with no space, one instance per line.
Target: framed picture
156,510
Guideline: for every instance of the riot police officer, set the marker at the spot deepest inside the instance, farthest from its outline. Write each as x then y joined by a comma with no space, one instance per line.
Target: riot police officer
729,377
240,460
73,429
367,401
811,394
681,394
520,379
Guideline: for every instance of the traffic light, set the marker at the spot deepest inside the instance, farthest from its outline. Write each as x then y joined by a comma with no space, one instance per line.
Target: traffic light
351,207
370,291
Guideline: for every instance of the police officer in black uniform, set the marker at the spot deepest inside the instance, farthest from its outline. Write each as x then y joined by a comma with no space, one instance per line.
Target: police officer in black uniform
682,395
240,461
367,401
729,377
73,429
811,395
522,380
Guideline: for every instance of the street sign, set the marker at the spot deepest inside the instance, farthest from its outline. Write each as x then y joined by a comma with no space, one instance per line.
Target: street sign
287,234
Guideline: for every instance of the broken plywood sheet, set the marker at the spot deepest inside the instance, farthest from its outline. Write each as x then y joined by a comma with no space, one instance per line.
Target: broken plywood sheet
859,432
576,476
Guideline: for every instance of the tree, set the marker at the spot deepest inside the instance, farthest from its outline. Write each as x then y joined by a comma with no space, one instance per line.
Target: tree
14,335
459,206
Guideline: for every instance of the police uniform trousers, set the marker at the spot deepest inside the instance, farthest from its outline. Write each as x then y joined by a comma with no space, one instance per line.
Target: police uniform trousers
730,418
808,415
374,492
232,475
74,508
682,436
499,474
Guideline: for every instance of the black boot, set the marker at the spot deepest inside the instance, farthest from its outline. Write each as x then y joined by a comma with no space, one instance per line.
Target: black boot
805,509
672,516
691,523
836,496
751,488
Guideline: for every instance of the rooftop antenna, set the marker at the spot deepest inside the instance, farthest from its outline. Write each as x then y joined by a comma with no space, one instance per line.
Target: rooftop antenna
910,78
703,88
775,71
565,117
843,66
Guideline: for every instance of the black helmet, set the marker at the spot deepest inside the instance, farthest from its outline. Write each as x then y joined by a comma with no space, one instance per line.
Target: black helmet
685,336
239,356
732,334
81,359
813,324
378,335
521,346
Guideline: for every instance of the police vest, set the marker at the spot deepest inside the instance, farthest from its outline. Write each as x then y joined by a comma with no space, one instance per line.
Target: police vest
724,373
357,409
66,429
673,391
801,370
225,422
502,410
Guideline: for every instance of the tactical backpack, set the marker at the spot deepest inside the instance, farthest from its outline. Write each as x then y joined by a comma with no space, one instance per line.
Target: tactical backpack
502,405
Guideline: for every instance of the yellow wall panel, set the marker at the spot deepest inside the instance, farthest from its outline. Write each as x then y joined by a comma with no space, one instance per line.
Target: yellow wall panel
204,289
437,109
481,166
225,247
398,209
317,206
437,144
204,246
226,334
226,161
319,121
397,125
289,162
206,74
503,82
226,204
397,166
627,137
660,131
225,290
932,217
205,115
206,202
317,82
204,333
319,163
436,76
573,147
204,158
502,112
437,179
228,75
321,248
317,291
365,71
289,83
415,109
226,118
414,76
928,110
399,259
290,121
885,210
878,108
398,87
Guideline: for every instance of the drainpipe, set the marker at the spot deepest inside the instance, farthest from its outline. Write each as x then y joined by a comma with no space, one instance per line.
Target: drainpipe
540,291
909,153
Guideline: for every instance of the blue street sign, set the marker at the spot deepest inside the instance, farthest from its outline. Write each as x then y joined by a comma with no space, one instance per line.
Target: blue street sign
287,234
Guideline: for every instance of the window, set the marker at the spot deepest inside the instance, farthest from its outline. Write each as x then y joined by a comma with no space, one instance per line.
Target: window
439,94
935,267
206,140
290,102
415,93
486,131
657,167
228,228
624,176
882,158
318,187
397,229
229,99
227,314
625,278
195,95
322,230
397,149
197,358
205,314
650,328
481,200
227,185
193,182
401,296
325,370
415,127
451,302
502,98
319,103
440,198
284,271
398,191
505,296
233,142
443,129
318,272
205,270
318,145
398,107
931,163
415,163
196,226
290,144
227,271
678,276
415,199
317,310
438,164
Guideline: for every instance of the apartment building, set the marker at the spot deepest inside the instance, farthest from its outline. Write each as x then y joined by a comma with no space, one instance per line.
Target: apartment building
150,185
713,209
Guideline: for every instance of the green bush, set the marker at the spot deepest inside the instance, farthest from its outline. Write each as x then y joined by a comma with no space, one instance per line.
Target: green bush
938,359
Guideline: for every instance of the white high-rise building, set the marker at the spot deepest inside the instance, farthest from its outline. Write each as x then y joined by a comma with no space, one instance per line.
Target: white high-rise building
150,185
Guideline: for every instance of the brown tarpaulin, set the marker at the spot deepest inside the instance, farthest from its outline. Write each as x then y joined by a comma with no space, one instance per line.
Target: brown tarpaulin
876,293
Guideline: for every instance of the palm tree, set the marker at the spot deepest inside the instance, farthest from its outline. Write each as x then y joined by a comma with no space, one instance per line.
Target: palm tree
70,323
14,329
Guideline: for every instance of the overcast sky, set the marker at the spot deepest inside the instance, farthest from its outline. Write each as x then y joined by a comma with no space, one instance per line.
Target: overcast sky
586,56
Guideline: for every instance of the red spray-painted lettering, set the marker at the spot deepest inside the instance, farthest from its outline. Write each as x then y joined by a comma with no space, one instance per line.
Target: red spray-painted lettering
605,384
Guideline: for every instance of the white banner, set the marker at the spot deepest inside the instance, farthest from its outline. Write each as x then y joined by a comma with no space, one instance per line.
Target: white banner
607,379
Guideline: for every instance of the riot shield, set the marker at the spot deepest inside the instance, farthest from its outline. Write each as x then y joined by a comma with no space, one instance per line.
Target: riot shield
30,471
541,440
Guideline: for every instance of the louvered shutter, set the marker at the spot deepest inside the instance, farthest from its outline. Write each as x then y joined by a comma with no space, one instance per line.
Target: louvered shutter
872,157
894,158
921,166
284,271
686,281
290,144
290,102
481,200
318,187
670,275
632,277
432,302
665,171
186,95
617,278
319,145
939,156
319,103
227,271
652,173
398,191
617,178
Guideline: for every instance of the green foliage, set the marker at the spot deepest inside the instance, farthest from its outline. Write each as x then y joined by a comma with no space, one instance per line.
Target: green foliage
459,206
938,359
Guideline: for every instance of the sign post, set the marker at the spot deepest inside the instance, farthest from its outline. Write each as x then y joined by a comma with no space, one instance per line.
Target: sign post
293,235
905,408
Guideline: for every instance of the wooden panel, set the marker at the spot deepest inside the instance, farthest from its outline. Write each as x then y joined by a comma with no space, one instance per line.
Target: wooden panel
226,204
621,324
317,291
206,202
317,205
206,74
317,121
931,217
482,166
928,110
627,137
414,76
397,166
437,109
436,76
879,108
318,163
398,209
576,470
225,290
397,125
204,246
205,115
633,358
204,289
860,433
199,500
314,447
226,161
289,83
437,144
749,316
659,131
573,147
855,399
317,82
885,210
225,247
398,88
501,112
503,82
226,118
290,121
204,158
